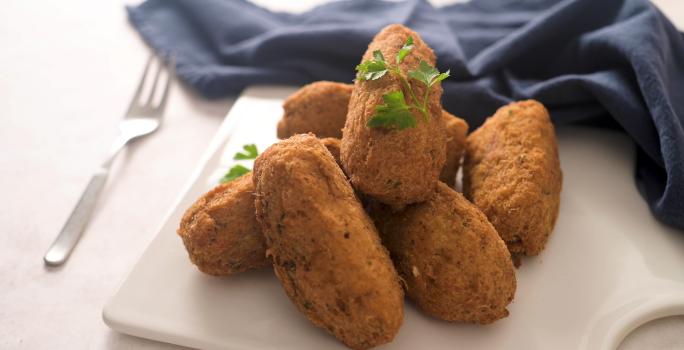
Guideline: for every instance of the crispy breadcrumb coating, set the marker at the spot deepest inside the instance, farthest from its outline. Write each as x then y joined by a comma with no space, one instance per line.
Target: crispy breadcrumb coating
396,167
512,172
455,265
325,249
319,108
220,231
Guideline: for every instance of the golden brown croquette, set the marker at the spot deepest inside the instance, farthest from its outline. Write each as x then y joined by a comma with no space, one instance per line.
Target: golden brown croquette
325,250
396,167
512,173
220,231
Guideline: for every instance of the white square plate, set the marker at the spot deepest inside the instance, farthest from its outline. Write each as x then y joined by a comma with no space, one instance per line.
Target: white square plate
608,267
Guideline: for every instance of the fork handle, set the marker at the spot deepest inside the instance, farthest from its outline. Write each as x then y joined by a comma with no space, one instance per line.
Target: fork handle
71,232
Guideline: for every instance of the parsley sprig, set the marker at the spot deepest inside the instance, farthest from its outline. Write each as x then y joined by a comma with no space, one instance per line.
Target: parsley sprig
250,152
234,172
395,112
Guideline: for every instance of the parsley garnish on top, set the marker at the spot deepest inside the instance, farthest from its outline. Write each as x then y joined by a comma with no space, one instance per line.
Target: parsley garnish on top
373,69
395,112
250,152
427,74
405,50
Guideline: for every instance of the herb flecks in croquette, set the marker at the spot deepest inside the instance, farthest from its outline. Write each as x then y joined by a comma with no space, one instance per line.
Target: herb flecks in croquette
395,112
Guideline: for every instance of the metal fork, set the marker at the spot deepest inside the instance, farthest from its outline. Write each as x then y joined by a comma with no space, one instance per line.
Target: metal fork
142,118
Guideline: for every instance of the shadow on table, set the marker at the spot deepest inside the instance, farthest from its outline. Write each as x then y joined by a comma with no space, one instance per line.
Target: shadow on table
116,341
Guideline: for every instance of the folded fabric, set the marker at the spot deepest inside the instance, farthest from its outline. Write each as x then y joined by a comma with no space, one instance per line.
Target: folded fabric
611,62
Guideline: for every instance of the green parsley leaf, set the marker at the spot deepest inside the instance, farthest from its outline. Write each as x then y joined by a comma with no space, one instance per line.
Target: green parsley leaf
251,152
427,74
373,69
394,113
442,76
405,50
234,172
377,55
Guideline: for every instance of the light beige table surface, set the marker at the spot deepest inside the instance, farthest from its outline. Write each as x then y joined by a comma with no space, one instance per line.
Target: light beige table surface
67,71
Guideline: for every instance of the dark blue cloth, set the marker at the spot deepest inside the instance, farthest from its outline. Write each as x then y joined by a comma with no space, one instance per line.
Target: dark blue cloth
609,62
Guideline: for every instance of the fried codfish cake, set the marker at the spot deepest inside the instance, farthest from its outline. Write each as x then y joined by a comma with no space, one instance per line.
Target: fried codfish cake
220,230
325,249
455,265
320,108
512,173
456,130
396,167
218,248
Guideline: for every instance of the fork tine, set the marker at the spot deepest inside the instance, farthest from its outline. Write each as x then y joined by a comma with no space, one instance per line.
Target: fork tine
138,91
153,90
171,76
